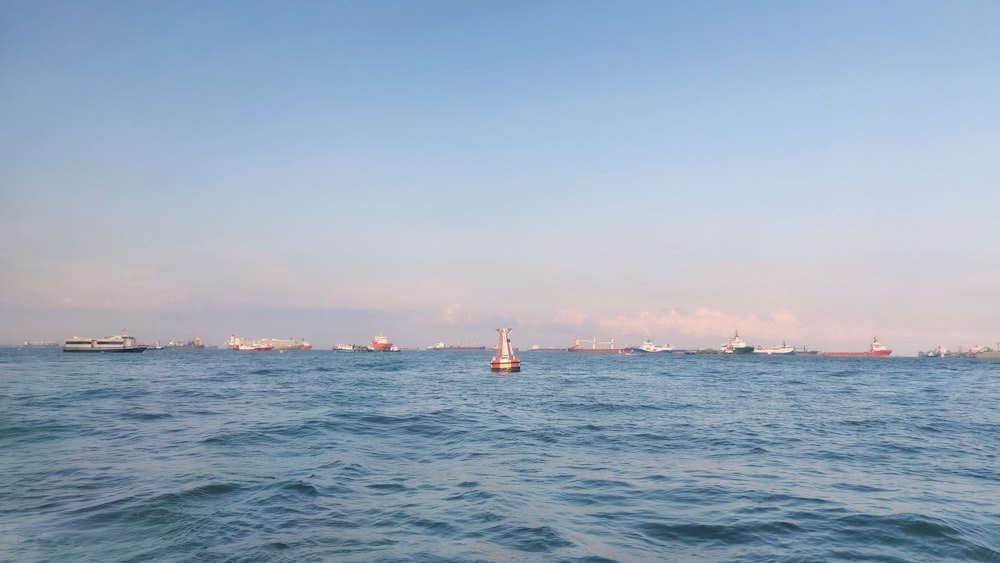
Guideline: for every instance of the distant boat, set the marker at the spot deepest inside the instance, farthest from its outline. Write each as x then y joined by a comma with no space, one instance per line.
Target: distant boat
577,347
39,344
784,349
806,352
254,346
650,348
117,343
189,345
986,353
239,343
381,344
351,348
875,349
737,346
938,352
440,346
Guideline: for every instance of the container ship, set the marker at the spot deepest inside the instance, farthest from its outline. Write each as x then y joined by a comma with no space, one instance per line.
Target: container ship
578,347
876,349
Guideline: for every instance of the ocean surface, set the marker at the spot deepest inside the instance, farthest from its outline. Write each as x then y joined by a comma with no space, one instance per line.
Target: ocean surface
427,456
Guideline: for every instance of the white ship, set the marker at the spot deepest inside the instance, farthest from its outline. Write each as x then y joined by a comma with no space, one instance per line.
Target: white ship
649,347
784,349
117,343
239,343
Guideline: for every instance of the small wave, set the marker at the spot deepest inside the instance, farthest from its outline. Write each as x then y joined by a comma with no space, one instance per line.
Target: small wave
539,539
715,533
145,416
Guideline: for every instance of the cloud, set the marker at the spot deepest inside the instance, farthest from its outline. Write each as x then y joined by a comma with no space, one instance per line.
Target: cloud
571,318
705,322
450,314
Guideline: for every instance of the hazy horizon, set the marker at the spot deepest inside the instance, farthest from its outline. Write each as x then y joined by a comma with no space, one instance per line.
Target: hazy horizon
815,174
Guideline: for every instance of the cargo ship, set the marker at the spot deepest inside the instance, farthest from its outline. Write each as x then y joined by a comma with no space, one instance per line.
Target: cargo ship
577,347
737,346
986,353
239,343
117,343
440,346
876,349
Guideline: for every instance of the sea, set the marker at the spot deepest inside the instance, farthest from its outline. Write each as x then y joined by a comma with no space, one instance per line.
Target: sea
218,455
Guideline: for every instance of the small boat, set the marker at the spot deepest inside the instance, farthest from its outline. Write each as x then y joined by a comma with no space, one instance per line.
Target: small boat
737,346
649,348
875,349
117,343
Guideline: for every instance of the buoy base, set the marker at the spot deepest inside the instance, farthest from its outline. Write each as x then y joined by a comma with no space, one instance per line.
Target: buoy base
505,367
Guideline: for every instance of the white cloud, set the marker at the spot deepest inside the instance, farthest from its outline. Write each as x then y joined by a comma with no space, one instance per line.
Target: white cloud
570,318
705,322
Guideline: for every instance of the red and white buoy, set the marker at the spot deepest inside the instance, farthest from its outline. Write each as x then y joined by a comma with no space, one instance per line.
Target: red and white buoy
505,361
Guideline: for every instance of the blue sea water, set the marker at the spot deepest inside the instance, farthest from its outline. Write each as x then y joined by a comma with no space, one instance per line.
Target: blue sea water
309,456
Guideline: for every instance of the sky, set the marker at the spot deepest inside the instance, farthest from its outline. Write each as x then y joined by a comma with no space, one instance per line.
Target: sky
815,173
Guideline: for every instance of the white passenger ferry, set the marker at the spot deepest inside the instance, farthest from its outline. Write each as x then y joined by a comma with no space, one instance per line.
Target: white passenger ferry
117,343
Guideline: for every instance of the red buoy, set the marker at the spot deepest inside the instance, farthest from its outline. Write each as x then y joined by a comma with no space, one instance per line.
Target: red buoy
505,361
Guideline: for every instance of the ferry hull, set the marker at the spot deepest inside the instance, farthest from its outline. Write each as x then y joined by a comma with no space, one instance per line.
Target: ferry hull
134,350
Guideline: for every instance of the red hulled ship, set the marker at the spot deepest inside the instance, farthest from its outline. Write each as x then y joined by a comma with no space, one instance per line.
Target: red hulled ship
876,349
381,344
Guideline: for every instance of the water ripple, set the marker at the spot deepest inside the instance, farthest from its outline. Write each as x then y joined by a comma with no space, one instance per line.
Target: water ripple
421,456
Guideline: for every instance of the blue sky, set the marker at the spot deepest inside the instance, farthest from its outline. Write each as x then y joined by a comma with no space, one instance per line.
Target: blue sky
815,173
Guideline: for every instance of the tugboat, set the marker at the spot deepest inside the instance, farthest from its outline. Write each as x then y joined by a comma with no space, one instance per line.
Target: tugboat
737,346
504,361
381,344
